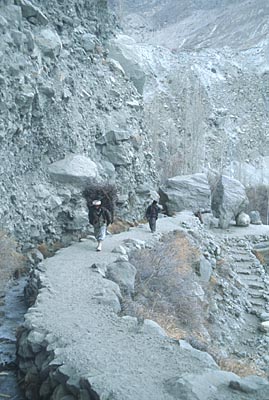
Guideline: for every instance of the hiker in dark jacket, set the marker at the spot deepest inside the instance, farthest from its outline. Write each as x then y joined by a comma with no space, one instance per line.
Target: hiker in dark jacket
152,215
100,218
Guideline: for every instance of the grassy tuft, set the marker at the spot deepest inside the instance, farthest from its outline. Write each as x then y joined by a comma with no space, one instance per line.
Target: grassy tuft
119,226
49,250
241,368
11,261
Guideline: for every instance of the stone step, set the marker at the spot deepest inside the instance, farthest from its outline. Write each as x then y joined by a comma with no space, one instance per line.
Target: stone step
244,262
256,285
257,302
240,251
244,259
257,310
264,247
251,277
247,266
255,294
242,271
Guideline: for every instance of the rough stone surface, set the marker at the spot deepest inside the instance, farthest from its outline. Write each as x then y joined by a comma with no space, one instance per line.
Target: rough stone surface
190,192
59,97
264,326
122,273
49,42
76,169
255,218
123,50
228,200
242,219
32,12
205,270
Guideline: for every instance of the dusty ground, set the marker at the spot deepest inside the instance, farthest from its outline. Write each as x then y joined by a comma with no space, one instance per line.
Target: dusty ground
120,357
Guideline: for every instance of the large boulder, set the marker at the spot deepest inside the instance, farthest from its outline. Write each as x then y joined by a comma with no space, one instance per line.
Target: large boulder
49,42
123,273
88,42
216,384
32,13
74,169
118,155
255,218
12,15
123,49
228,200
242,219
186,192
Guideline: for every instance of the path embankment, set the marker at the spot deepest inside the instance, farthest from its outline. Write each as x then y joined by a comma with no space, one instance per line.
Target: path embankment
75,345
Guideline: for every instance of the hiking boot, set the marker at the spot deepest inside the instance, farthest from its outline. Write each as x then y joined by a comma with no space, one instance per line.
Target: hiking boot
99,247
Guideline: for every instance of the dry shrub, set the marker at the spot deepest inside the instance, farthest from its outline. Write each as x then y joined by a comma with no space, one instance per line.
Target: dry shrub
119,226
213,281
106,192
220,262
11,261
241,368
165,286
49,250
260,257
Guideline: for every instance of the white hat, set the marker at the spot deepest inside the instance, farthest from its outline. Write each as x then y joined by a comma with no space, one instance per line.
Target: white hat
96,202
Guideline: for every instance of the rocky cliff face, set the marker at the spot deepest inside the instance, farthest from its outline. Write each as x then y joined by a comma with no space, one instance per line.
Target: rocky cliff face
206,90
63,101
78,103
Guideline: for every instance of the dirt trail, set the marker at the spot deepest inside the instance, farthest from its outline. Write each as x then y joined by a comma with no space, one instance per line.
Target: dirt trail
121,358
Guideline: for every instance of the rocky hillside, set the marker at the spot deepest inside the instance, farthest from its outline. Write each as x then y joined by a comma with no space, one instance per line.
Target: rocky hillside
67,114
206,86
190,25
187,93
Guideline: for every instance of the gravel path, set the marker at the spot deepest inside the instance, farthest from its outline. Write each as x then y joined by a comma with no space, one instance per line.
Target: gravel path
113,351
122,359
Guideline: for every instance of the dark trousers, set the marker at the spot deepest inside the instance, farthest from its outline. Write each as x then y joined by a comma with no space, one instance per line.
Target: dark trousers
152,224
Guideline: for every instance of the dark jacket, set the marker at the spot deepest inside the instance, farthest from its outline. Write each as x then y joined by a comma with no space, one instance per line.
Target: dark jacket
99,216
152,211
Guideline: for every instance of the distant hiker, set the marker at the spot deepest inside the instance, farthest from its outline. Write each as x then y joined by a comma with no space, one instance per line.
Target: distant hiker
100,218
152,215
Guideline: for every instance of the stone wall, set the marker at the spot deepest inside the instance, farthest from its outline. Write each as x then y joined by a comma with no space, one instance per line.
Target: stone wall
45,376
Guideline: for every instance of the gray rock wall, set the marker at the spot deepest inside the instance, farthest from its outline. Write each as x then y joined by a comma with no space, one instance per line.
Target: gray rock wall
60,96
125,107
